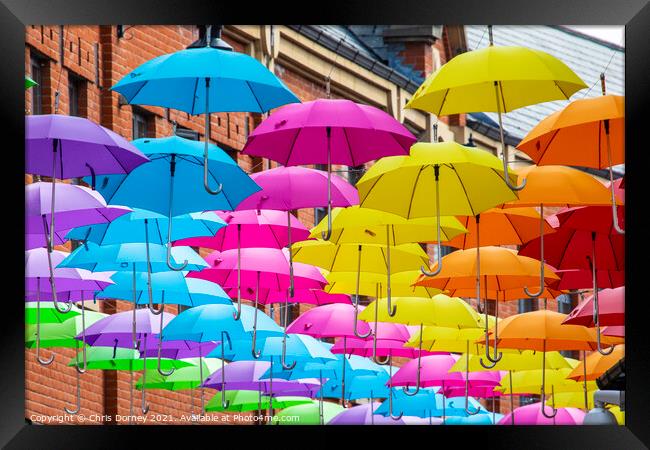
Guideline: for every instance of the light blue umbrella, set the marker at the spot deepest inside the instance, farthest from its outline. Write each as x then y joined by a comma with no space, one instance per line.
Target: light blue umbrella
426,403
480,419
358,386
166,185
205,80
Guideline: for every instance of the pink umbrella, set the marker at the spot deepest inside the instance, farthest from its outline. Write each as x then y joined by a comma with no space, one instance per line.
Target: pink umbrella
335,320
432,371
473,391
328,132
616,331
531,414
610,309
255,267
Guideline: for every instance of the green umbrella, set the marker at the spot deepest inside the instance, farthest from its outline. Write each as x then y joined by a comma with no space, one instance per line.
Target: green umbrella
114,358
60,334
29,82
243,401
49,314
181,379
306,414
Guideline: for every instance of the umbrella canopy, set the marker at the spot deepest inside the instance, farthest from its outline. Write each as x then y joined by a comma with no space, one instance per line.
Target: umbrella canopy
590,218
115,358
184,378
615,331
358,386
291,188
335,320
243,400
433,371
47,313
530,382
307,414
316,297
499,226
496,79
76,205
531,415
611,309
374,284
426,403
597,364
297,134
299,347
236,82
179,349
77,147
515,361
364,415
60,334
571,279
370,226
29,82
147,226
252,228
580,127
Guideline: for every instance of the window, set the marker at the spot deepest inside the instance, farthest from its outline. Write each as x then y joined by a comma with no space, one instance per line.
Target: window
141,121
38,66
77,95
527,305
320,213
187,133
564,305
355,173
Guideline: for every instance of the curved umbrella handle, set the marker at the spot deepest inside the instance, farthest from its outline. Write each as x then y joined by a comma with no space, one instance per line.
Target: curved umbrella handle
436,173
172,173
541,257
391,392
170,264
43,362
374,341
467,410
480,309
497,355
206,184
391,310
543,393
148,264
291,281
283,358
224,403
328,234
417,385
78,401
256,353
237,315
543,407
504,147
143,406
160,339
617,227
596,315
356,300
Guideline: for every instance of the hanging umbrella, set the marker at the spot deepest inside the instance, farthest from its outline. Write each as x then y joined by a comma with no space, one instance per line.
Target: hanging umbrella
529,382
496,79
205,79
493,268
355,225
573,399
614,331
328,131
530,415
307,296
374,284
246,400
188,377
48,313
171,174
179,349
426,403
29,82
307,414
572,279
37,267
596,364
557,186
359,386
77,206
471,179
543,331
611,309
68,147
255,267
499,226
364,415
587,132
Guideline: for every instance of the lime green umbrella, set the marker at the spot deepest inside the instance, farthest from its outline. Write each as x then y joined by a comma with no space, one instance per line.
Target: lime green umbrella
184,378
29,82
60,334
243,401
48,313
115,358
306,414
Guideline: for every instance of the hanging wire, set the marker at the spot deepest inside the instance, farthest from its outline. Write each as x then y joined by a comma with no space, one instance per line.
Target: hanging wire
482,36
58,81
603,71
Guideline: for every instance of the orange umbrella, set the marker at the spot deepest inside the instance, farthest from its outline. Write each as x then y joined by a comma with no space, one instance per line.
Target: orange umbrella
489,270
557,186
596,364
499,226
543,331
587,132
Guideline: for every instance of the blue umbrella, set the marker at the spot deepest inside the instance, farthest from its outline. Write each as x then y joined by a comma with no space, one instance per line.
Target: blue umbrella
359,386
166,184
481,419
427,403
142,226
205,80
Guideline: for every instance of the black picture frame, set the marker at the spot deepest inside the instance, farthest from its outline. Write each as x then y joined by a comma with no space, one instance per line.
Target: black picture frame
16,432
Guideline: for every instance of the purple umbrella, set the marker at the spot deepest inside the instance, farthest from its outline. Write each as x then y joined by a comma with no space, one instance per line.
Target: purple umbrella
178,349
77,206
363,415
120,330
64,147
327,131
36,268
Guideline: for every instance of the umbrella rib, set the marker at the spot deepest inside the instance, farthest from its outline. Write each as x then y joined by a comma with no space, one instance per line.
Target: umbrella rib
561,90
600,143
408,214
293,143
345,134
196,84
116,159
503,100
548,145
255,96
471,207
444,99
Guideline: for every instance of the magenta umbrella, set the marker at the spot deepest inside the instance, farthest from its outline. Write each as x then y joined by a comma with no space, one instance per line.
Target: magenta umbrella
77,206
531,415
316,297
37,262
616,331
291,188
255,267
329,321
364,415
433,371
327,131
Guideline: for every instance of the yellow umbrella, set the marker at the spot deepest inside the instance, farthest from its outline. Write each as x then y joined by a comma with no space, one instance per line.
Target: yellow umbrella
360,258
471,179
573,399
497,79
530,382
370,226
374,285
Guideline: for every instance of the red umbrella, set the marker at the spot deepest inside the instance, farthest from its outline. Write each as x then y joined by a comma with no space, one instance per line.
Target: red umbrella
583,279
611,309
